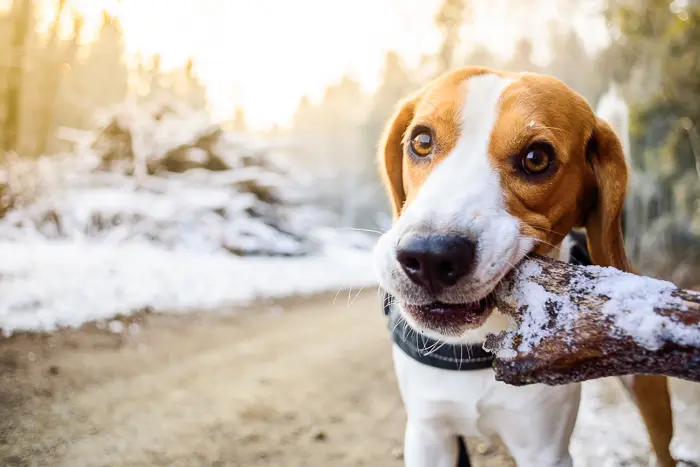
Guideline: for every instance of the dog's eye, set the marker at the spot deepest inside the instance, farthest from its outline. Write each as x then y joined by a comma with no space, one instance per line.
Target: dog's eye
422,143
536,160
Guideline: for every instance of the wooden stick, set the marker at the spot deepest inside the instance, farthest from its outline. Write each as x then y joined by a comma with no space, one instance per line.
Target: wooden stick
575,323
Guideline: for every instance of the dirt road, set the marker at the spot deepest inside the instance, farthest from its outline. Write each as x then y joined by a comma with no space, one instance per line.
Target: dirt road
295,383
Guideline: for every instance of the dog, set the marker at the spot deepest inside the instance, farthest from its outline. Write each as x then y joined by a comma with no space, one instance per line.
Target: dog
482,168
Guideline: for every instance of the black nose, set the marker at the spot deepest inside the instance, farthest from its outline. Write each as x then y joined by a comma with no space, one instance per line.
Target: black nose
435,261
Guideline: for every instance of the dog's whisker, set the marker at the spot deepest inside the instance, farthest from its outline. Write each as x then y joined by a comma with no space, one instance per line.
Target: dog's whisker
378,232
443,344
349,287
335,299
429,348
554,128
525,237
436,346
356,295
422,338
399,321
534,227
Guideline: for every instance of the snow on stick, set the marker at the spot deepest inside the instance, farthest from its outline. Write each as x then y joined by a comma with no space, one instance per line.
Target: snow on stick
576,323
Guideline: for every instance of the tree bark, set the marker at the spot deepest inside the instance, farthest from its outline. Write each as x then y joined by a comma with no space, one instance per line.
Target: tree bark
575,323
57,56
21,19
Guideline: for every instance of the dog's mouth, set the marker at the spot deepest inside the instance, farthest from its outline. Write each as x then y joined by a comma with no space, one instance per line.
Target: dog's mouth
450,318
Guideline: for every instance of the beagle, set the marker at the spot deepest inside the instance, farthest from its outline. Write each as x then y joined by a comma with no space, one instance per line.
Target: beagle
483,168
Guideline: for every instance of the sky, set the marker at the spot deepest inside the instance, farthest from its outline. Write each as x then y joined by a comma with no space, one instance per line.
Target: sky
265,55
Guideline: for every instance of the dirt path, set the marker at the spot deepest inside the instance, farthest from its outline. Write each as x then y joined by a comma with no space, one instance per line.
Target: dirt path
310,385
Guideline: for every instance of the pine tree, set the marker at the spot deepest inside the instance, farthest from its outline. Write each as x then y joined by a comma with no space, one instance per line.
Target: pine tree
105,76
239,121
449,19
664,44
21,18
522,57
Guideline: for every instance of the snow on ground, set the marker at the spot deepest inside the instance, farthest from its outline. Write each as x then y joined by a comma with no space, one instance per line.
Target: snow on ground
610,432
162,209
45,285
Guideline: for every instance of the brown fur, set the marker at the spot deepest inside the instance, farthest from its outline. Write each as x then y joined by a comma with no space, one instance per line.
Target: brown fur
437,106
586,189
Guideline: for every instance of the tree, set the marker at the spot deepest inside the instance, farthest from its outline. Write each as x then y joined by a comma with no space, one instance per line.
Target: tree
303,119
21,17
449,20
59,57
665,144
180,84
100,80
192,90
479,55
239,121
105,70
396,84
331,140
522,57
570,61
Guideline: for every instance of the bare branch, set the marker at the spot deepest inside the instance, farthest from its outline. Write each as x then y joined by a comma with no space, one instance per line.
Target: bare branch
577,323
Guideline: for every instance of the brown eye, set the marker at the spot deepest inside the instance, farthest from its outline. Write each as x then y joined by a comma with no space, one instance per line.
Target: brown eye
536,161
422,143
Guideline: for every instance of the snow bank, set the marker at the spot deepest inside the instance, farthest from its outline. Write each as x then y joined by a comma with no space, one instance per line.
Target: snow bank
610,431
162,209
46,285
165,175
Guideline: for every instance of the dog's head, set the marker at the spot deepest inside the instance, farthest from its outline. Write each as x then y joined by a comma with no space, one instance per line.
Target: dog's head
483,168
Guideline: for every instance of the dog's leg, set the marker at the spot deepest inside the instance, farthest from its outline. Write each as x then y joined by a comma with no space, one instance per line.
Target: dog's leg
426,446
651,395
538,434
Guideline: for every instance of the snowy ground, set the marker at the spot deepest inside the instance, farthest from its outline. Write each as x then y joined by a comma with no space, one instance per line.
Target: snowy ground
45,285
163,210
610,432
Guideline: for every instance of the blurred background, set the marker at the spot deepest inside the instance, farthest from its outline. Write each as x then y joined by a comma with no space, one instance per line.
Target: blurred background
179,155
165,87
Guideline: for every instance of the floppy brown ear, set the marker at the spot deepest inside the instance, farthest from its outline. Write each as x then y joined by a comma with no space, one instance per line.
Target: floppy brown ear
390,153
604,221
607,248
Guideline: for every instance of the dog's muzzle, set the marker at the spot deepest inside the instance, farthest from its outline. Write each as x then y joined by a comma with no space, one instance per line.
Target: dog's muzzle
457,357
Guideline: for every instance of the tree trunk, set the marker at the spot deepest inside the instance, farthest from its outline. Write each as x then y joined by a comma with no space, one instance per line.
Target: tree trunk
53,73
21,20
575,323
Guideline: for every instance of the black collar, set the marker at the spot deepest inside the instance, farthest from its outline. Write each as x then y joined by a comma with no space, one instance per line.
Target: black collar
457,357
431,352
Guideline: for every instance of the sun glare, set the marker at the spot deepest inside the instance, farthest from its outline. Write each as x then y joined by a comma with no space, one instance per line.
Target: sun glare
264,55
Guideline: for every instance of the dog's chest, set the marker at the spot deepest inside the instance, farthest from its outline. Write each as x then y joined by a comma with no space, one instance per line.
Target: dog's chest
471,403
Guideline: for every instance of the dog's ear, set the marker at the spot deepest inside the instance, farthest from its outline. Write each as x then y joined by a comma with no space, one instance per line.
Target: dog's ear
391,150
604,221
